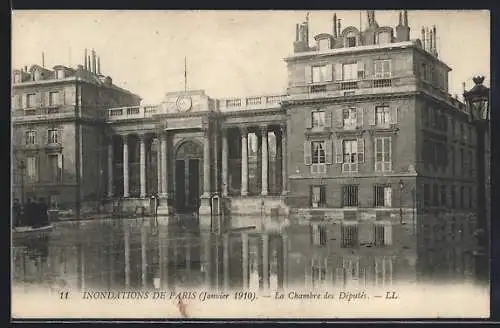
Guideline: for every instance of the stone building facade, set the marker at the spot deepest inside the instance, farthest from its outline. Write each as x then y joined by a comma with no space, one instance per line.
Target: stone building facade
366,136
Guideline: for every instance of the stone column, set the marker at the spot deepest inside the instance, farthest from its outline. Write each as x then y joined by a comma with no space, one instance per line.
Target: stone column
163,160
265,160
244,256
265,261
126,241
206,164
142,153
110,167
225,154
158,164
244,161
284,173
225,261
125,167
143,255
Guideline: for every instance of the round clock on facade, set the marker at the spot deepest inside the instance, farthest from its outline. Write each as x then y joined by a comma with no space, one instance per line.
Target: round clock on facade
184,103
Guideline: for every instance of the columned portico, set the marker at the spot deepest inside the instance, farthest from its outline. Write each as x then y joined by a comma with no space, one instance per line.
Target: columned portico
163,165
284,173
206,164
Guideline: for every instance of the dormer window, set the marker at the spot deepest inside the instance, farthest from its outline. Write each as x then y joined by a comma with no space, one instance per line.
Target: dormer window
384,38
351,41
37,75
323,44
17,78
60,74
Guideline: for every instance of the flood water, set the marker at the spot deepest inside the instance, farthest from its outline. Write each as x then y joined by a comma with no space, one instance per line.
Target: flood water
162,253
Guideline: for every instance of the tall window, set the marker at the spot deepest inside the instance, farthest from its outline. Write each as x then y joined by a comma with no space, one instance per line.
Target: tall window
31,137
427,195
318,196
53,136
349,234
462,197
30,100
60,74
318,119
382,116
383,271
383,233
351,40
383,154
53,98
318,272
382,196
55,164
321,73
350,117
453,197
318,152
350,71
443,195
350,195
350,151
382,69
32,169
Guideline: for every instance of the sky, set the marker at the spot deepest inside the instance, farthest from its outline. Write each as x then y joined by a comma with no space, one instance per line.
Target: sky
229,53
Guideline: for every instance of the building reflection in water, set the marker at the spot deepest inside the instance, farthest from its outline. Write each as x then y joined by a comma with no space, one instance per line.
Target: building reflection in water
133,254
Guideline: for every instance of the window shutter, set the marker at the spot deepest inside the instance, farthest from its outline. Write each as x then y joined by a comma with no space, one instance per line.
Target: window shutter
338,72
388,233
329,73
371,116
339,117
19,101
47,99
359,117
328,119
308,73
25,101
361,68
388,197
388,148
39,99
328,152
308,119
394,115
307,152
338,151
361,150
61,97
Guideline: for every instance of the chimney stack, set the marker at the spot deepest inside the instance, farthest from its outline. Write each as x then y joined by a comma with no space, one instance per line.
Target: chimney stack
405,17
93,62
26,69
435,40
427,39
89,66
339,29
296,32
400,19
85,59
43,59
335,25
423,37
431,41
99,65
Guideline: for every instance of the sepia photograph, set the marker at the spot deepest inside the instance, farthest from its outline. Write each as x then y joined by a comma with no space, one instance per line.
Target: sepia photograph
204,164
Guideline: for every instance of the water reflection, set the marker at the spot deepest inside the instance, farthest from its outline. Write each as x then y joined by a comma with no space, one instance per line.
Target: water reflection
149,253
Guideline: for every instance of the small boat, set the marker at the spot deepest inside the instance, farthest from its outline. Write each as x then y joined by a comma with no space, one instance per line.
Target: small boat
28,229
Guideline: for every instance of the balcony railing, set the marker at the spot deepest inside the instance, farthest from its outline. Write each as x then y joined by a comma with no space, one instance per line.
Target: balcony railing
121,113
249,103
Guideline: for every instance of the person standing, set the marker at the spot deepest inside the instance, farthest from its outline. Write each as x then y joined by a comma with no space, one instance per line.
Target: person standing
43,216
28,213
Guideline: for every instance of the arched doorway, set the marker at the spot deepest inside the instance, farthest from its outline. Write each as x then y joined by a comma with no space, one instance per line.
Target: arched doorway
187,176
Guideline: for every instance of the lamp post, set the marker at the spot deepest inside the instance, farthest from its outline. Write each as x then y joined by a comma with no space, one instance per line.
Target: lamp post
477,100
22,166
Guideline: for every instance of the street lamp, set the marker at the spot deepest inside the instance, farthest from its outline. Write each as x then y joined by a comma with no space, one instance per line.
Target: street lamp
22,166
478,104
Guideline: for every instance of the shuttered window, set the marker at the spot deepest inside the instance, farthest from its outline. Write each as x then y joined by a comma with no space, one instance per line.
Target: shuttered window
382,195
349,195
349,234
321,73
31,137
383,154
383,233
